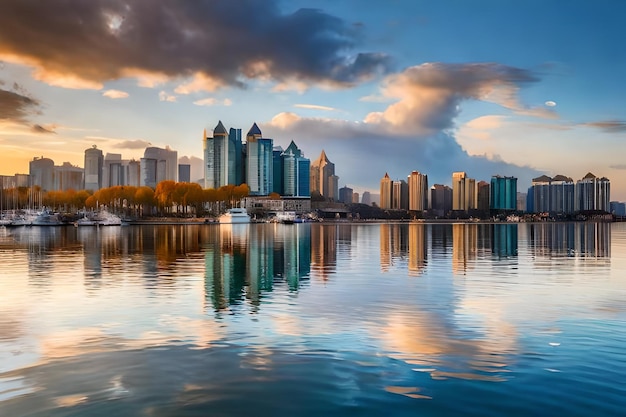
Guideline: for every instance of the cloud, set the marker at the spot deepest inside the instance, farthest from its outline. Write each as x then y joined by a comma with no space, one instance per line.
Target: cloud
428,96
210,101
550,103
314,107
41,129
609,126
204,43
133,144
164,96
17,105
115,94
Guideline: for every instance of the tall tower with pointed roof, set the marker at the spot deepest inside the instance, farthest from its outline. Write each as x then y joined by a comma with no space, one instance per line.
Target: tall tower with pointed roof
386,192
296,172
323,178
259,157
222,157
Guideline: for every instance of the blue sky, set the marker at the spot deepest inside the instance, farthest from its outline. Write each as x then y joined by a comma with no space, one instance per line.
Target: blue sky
487,87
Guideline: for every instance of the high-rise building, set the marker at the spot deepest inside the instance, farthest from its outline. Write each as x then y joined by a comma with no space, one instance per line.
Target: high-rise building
366,198
418,191
223,157
618,208
184,173
355,198
94,162
521,201
440,200
41,172
551,195
400,195
68,177
464,193
323,178
593,193
277,167
296,171
385,192
503,193
259,168
345,194
483,196
158,165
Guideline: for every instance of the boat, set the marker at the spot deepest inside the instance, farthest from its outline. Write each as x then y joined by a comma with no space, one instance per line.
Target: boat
235,215
286,217
47,218
101,218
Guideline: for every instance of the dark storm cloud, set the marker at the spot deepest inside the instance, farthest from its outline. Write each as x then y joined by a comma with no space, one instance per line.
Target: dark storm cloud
609,126
226,41
16,106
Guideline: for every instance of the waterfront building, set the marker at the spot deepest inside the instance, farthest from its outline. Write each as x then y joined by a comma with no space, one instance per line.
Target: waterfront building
440,199
400,195
41,173
184,173
116,171
483,196
296,172
385,192
618,208
366,198
158,165
259,167
323,178
94,161
277,167
503,195
355,198
68,177
418,191
551,195
593,193
521,201
223,157
134,173
464,195
346,194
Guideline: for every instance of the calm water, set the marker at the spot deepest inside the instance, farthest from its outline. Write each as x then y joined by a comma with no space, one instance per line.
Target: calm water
312,320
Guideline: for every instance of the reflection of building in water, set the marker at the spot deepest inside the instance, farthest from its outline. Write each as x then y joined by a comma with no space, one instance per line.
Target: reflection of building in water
441,238
417,248
323,250
504,239
243,261
393,244
464,244
583,239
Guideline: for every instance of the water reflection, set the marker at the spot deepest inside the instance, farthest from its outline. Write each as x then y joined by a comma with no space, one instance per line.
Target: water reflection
403,244
583,239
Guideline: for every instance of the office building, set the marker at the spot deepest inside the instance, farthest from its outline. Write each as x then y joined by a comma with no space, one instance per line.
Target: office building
418,191
223,157
503,193
296,171
366,198
464,193
346,194
618,208
385,192
184,173
158,165
440,200
41,173
400,195
323,178
593,193
259,167
551,195
68,177
94,161
483,196
277,167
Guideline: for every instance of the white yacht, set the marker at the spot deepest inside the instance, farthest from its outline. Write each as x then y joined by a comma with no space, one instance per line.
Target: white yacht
235,215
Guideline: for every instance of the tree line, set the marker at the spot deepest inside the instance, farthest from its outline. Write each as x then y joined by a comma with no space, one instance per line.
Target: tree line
169,198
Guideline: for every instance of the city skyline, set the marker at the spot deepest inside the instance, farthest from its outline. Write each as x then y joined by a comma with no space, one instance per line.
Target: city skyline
394,87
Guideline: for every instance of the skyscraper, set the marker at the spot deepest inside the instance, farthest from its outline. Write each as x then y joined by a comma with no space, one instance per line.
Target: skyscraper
94,161
503,193
345,194
296,171
593,193
385,192
68,177
400,195
483,196
323,178
259,168
464,195
552,195
158,165
41,171
223,157
418,191
440,199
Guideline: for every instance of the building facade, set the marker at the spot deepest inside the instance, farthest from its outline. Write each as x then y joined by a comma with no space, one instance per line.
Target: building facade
158,165
503,195
323,178
400,195
94,162
296,171
68,177
440,200
386,192
464,193
418,191
259,166
41,173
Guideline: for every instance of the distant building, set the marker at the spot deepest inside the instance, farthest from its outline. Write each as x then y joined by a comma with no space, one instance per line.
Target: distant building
386,192
400,195
503,193
296,171
440,200
184,173
94,162
223,157
464,195
483,196
346,194
41,173
355,198
323,178
618,208
277,167
521,201
418,191
593,193
259,164
366,198
68,177
158,165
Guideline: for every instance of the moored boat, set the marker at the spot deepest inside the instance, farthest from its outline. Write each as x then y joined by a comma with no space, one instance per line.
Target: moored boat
235,215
